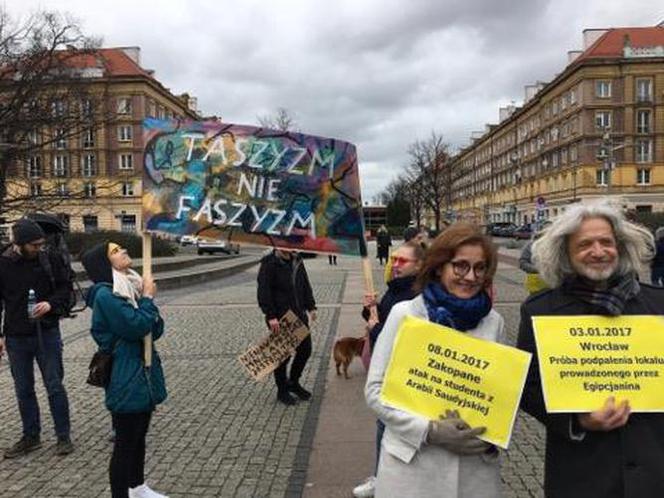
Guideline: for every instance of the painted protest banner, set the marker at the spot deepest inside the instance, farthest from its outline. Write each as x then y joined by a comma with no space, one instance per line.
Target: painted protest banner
254,185
435,368
264,357
585,359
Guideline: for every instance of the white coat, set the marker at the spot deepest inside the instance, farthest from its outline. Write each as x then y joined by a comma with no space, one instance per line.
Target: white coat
409,467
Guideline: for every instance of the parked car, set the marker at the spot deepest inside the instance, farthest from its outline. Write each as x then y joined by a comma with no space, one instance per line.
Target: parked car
210,246
188,240
523,232
500,229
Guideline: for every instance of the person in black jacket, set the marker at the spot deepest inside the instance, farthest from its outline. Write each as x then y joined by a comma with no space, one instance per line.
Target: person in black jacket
590,257
283,285
406,262
36,337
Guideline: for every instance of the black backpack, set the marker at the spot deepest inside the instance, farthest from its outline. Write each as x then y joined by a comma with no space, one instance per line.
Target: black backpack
56,248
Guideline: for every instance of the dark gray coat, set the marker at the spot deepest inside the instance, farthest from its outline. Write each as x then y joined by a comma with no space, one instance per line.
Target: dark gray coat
624,463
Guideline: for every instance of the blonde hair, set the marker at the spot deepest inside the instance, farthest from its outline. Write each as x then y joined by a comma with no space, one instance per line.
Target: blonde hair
635,243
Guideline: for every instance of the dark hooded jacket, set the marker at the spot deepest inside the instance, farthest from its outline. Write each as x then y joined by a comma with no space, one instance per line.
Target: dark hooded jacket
17,276
283,285
398,289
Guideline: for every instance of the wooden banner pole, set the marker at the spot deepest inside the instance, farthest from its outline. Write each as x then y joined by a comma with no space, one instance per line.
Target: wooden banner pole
147,272
369,284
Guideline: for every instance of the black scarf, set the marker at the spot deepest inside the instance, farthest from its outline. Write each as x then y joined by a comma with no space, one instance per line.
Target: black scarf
621,289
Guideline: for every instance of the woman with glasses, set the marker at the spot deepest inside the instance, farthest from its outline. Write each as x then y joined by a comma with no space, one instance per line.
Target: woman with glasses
441,458
123,312
405,262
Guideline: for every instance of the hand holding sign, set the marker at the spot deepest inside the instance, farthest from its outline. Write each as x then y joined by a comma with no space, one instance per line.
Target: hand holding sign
455,435
610,417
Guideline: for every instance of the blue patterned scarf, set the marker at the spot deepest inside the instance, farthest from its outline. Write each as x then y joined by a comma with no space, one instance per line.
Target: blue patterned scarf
460,314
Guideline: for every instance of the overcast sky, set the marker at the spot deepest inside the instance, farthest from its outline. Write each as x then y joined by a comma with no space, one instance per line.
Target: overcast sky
378,73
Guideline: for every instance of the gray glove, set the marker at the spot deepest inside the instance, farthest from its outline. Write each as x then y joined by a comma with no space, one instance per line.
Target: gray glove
455,435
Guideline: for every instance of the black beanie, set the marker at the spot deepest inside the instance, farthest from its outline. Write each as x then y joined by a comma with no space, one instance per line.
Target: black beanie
96,263
26,231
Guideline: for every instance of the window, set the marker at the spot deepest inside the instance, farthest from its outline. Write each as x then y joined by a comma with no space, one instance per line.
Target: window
89,138
86,108
58,108
127,189
60,139
602,177
602,120
90,189
35,189
644,90
125,161
62,190
161,113
124,133
33,137
89,165
643,176
152,109
60,166
90,223
563,155
128,223
643,150
572,96
124,105
34,167
643,121
602,89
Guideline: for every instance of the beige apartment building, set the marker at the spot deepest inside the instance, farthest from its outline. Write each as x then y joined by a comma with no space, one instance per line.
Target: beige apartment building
596,130
103,165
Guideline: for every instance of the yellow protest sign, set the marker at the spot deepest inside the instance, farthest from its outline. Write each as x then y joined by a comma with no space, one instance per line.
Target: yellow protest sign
585,359
435,368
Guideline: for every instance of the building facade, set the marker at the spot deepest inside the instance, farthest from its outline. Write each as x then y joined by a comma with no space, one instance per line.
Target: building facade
595,131
98,172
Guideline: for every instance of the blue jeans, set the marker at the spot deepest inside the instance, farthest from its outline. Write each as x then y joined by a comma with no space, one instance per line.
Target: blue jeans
22,351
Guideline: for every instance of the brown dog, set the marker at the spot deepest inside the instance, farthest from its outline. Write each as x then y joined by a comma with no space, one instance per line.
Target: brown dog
345,349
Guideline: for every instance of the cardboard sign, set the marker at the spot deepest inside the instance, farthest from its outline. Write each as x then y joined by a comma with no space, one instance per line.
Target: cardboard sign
252,185
435,368
263,358
585,359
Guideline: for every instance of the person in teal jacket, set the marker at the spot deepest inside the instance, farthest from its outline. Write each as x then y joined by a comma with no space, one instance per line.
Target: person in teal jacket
123,313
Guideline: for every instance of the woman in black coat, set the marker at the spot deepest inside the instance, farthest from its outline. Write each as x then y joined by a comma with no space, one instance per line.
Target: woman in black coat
283,284
383,242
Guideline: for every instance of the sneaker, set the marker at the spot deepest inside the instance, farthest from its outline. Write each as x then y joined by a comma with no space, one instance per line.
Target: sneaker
366,489
144,491
286,398
299,391
64,446
24,446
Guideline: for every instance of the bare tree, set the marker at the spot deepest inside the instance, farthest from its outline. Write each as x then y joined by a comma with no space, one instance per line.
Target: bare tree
396,199
46,98
281,120
430,176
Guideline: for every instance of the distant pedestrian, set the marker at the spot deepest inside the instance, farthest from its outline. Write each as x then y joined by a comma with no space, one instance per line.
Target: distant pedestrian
657,264
440,458
283,284
383,243
123,313
332,259
410,232
31,277
406,262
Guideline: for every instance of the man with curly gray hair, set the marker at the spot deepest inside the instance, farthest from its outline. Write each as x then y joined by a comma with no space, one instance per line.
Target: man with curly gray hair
591,257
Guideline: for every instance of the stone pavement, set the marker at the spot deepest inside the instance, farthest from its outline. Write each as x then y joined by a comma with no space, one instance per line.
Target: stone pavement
220,434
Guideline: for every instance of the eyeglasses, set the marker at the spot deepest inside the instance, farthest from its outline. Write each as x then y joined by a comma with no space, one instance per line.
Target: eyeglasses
398,260
462,268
